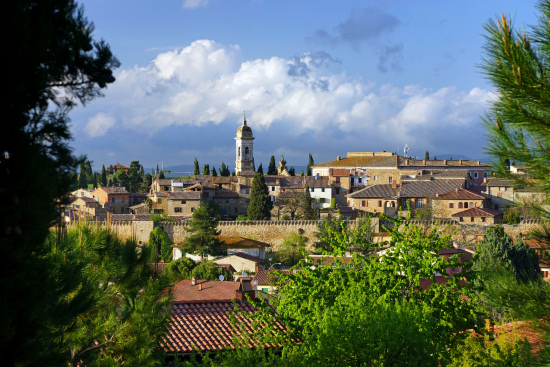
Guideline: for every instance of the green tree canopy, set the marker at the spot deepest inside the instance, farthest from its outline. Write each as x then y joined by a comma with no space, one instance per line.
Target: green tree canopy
103,176
196,170
209,270
160,246
206,169
180,269
203,236
309,164
54,64
272,168
260,205
293,249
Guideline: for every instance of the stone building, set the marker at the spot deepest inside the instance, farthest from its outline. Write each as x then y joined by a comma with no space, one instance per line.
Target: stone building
114,199
244,164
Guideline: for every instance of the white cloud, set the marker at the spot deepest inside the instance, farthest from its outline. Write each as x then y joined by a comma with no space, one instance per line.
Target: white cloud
99,125
207,82
192,4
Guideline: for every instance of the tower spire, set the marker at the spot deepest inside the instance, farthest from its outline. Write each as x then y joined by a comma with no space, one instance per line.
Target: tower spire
244,118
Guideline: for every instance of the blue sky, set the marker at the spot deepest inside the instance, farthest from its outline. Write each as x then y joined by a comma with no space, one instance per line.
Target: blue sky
320,77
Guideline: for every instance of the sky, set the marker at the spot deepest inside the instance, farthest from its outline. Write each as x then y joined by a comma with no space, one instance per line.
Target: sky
324,77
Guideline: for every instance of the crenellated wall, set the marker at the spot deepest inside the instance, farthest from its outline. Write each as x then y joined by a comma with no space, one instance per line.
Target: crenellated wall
274,232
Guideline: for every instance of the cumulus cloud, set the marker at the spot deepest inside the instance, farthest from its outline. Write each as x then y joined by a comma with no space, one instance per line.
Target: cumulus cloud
207,83
192,4
99,125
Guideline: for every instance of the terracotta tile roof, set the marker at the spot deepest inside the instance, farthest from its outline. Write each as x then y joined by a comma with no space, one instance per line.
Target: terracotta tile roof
237,242
460,194
317,182
434,173
212,290
412,189
268,277
499,182
411,162
477,212
340,172
113,189
130,217
86,199
168,181
184,195
360,161
206,326
159,194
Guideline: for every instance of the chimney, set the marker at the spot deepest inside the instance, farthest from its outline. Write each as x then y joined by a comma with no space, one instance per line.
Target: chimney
407,161
460,162
394,184
436,195
200,286
193,281
338,158
423,162
445,162
479,163
245,287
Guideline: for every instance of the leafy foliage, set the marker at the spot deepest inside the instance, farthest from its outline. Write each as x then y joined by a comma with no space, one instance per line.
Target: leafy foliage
113,303
293,249
160,246
179,269
272,168
203,239
209,270
260,205
55,64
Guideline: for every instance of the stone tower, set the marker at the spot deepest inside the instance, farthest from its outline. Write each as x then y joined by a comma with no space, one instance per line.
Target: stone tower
244,165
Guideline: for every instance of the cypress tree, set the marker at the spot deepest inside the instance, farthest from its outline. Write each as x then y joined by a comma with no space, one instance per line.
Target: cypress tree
203,239
260,204
206,169
427,156
260,169
308,212
103,176
214,173
310,163
196,170
272,168
292,171
82,181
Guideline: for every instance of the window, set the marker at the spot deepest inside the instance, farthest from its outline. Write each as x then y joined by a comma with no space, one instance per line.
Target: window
471,219
323,189
375,178
247,182
265,290
312,189
322,200
483,219
183,202
112,199
359,180
451,205
159,201
460,206
363,203
337,180
419,204
475,174
485,174
272,188
390,179
471,205
192,210
227,201
177,210
379,203
337,191
465,205
461,219
247,191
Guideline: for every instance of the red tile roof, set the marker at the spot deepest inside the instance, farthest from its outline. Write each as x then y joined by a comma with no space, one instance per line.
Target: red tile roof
461,194
477,212
268,277
204,326
212,290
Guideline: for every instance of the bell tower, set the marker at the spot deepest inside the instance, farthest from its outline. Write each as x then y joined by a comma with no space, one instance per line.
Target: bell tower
244,164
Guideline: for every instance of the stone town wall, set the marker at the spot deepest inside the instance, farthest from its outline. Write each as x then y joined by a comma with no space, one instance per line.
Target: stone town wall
273,232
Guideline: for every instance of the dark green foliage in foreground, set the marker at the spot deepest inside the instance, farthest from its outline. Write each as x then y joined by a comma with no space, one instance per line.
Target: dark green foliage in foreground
111,302
208,270
204,237
180,269
54,64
